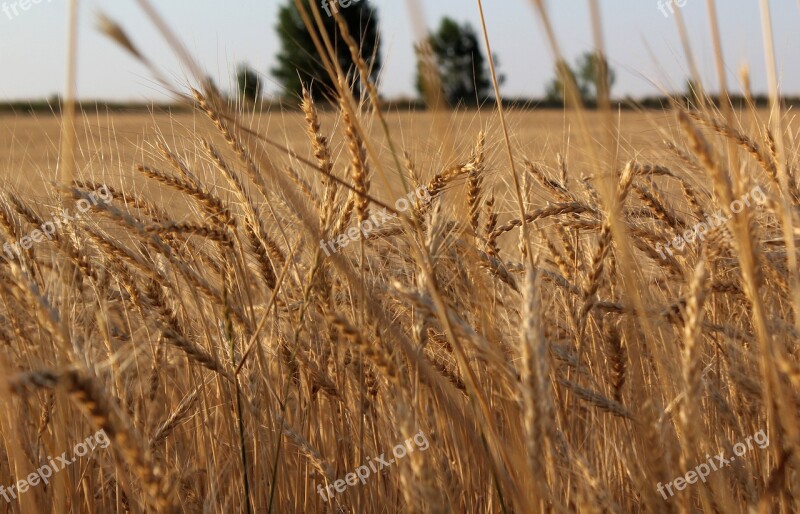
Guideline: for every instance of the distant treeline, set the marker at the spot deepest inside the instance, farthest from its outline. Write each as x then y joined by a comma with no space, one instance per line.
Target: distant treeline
49,106
650,102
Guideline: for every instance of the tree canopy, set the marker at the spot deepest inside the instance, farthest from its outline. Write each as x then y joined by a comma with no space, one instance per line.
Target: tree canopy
248,83
464,76
586,76
298,60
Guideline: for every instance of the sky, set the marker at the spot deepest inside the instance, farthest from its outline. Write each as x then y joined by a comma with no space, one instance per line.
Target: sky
642,44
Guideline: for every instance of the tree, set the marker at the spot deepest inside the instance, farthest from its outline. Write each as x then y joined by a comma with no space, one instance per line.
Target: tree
463,73
694,92
298,60
591,68
555,90
248,84
586,78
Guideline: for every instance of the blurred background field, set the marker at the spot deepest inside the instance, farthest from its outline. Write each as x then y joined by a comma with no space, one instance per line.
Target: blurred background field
29,143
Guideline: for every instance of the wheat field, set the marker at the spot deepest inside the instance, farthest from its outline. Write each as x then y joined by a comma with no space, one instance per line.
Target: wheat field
342,309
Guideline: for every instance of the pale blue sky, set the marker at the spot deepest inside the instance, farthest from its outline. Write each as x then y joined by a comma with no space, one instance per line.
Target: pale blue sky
642,44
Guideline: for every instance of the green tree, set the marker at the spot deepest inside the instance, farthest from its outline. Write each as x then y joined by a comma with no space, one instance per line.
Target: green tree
555,90
694,92
298,60
248,83
463,73
590,71
585,75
